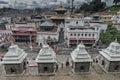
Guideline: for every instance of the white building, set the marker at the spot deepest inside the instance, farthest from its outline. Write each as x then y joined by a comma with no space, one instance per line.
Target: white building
5,32
12,26
42,36
95,21
14,60
103,26
26,24
81,60
74,21
86,30
89,35
109,58
8,19
46,60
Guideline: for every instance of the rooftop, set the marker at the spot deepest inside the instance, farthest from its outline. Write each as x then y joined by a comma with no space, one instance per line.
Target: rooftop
60,8
47,23
80,54
14,55
46,55
112,53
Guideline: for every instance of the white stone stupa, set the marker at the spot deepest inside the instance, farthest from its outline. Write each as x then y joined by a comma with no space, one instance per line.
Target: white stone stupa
112,53
14,55
46,61
80,54
81,60
14,60
109,58
46,54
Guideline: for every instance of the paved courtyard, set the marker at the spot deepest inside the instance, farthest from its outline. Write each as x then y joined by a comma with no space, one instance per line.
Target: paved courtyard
63,73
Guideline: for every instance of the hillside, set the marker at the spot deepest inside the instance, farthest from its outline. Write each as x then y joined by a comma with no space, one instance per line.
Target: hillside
113,9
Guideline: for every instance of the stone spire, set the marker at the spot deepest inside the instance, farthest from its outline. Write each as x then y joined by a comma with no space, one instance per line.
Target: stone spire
112,52
46,54
80,54
14,55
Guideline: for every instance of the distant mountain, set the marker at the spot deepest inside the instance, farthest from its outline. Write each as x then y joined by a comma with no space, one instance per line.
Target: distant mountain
3,2
46,3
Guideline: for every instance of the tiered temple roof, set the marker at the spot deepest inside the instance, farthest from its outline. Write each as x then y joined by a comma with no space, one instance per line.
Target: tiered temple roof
112,53
80,54
46,55
15,55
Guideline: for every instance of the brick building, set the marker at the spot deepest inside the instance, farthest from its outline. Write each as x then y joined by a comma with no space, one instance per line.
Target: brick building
24,34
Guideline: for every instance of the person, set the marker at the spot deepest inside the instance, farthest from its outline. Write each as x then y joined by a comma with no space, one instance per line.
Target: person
56,67
61,65
1,59
27,62
67,62
96,60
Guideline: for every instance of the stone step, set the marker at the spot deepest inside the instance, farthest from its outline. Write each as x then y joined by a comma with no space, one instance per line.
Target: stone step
97,68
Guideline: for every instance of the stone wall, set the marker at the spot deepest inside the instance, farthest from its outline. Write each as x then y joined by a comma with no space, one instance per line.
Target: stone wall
114,66
15,68
50,67
81,67
104,66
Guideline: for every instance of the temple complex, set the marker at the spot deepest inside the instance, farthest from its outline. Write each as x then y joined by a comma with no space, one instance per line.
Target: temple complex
60,15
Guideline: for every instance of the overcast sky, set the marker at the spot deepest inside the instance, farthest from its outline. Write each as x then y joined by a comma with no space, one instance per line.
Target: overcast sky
109,2
29,1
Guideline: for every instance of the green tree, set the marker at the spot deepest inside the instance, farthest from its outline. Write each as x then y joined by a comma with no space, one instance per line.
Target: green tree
94,6
110,35
116,2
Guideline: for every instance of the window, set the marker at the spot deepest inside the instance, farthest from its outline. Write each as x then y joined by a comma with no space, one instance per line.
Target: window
71,34
24,65
97,28
76,22
82,68
12,70
81,34
117,47
78,34
116,67
67,21
74,34
45,68
93,34
103,62
89,34
85,34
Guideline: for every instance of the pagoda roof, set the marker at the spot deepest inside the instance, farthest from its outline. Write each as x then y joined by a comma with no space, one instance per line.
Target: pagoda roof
111,53
80,54
47,23
46,55
60,9
15,55
60,17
